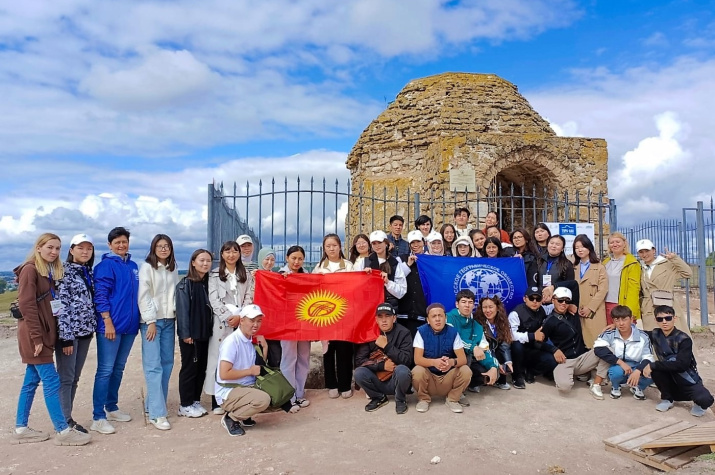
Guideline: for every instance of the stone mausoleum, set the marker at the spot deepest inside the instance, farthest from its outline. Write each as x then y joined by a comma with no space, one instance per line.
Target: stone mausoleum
473,132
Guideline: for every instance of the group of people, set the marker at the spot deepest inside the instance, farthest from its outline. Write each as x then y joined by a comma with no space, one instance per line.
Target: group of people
576,317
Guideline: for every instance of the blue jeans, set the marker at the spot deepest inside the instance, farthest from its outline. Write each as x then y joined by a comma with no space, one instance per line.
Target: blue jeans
618,377
112,356
158,362
34,373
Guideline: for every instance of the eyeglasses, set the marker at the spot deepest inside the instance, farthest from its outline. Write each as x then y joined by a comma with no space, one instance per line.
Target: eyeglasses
535,298
165,247
563,300
666,318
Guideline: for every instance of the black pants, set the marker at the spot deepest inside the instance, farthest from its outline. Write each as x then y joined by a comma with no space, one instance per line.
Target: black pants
193,370
274,353
477,370
338,366
528,357
674,388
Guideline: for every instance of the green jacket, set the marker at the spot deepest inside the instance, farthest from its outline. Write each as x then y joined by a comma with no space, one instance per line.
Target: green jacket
472,334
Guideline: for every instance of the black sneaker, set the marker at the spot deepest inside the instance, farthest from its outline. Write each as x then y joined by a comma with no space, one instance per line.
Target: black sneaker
400,407
232,427
530,378
376,403
73,424
248,422
518,383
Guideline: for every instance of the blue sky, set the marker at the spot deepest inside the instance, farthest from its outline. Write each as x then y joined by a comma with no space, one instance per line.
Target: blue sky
121,115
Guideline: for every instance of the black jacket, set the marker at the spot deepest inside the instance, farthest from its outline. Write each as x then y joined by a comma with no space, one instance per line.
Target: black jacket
529,320
398,349
564,331
194,316
413,303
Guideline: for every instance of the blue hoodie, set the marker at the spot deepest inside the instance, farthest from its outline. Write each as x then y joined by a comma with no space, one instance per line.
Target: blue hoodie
116,290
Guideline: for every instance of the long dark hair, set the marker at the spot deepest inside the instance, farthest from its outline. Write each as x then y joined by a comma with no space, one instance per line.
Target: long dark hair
473,233
193,274
585,242
448,245
501,321
240,270
497,243
153,260
340,245
354,254
545,228
530,243
562,262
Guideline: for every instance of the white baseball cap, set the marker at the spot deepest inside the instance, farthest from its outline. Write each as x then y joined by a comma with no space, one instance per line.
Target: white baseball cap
644,245
80,238
562,293
378,236
434,236
243,239
415,235
251,311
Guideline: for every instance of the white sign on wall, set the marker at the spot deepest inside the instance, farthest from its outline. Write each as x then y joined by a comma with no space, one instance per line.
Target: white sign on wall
570,230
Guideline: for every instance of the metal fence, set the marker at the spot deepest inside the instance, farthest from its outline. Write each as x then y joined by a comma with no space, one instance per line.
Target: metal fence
224,221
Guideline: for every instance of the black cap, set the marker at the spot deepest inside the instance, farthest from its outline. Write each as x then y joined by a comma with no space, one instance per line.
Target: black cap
385,308
533,291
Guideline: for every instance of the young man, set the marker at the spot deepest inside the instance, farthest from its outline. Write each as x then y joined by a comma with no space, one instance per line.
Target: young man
383,366
440,362
563,328
246,244
116,290
529,356
676,372
399,247
236,374
412,308
461,218
627,350
479,359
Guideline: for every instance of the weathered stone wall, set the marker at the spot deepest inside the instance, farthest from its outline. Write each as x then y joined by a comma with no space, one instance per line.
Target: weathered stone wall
457,120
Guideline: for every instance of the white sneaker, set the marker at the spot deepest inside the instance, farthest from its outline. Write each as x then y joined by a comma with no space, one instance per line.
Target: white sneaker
190,411
102,426
302,402
218,411
160,423
25,435
347,394
72,437
596,391
334,393
197,405
118,416
423,406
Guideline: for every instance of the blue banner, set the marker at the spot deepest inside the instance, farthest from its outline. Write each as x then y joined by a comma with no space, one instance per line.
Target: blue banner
443,276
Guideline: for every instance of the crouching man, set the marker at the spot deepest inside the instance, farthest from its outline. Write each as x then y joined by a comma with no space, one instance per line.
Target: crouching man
236,374
383,366
440,362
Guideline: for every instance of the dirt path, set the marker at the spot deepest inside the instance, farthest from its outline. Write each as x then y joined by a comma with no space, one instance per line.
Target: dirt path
516,431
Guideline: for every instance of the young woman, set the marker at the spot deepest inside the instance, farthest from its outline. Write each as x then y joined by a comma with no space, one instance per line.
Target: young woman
36,338
542,233
492,315
76,322
266,259
525,248
338,360
478,239
194,324
463,247
435,243
492,247
266,262
424,224
592,288
556,268
295,361
492,220
230,289
449,234
392,274
624,277
158,277
360,248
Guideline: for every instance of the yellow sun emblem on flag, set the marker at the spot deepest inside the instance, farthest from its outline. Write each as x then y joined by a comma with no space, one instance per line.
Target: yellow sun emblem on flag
321,308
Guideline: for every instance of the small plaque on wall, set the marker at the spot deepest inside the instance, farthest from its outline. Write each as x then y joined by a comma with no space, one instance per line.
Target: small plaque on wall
462,178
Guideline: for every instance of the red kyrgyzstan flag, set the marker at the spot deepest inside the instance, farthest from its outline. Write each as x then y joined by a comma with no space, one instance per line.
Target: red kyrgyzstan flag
339,306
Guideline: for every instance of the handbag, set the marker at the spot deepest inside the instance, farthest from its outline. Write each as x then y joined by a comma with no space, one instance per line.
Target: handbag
15,306
662,297
378,356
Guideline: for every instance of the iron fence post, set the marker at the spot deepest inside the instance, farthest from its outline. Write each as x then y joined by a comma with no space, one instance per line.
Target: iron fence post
210,228
417,205
702,272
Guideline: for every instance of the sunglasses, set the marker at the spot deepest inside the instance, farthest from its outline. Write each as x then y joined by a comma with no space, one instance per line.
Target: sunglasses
535,298
563,300
666,318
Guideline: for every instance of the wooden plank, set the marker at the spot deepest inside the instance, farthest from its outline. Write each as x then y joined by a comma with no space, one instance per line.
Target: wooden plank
655,436
618,439
645,461
668,453
698,435
686,457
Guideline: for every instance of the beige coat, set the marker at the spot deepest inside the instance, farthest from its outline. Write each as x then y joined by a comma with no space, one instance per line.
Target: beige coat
666,272
592,289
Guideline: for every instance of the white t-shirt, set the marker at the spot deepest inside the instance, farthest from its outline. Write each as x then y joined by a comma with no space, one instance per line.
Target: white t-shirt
239,350
420,343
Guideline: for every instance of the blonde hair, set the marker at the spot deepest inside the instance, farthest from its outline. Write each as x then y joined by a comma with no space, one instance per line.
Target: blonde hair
616,234
43,267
